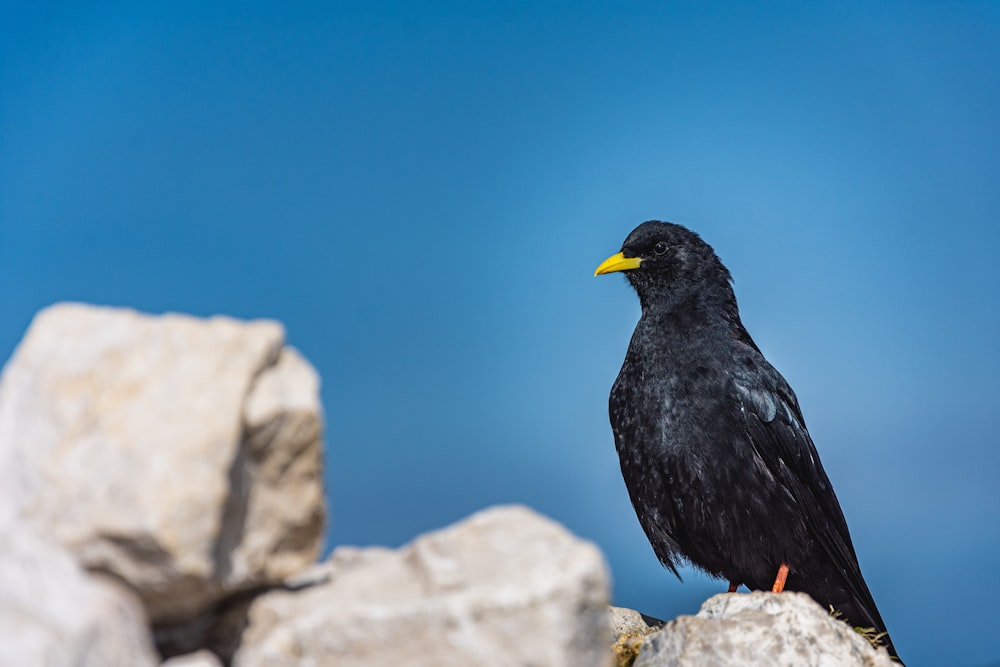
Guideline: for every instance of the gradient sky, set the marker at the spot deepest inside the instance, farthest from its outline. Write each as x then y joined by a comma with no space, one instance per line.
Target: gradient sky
421,192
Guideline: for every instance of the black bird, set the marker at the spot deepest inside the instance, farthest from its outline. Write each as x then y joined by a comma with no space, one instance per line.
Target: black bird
713,447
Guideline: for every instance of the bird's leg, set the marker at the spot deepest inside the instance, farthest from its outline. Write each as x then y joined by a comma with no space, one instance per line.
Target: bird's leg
733,585
779,581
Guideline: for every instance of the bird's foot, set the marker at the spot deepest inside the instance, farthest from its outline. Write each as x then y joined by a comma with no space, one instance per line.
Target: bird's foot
733,585
779,581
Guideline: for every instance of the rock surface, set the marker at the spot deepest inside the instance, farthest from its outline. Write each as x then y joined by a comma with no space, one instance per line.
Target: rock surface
199,659
630,622
181,455
52,613
630,628
759,629
503,587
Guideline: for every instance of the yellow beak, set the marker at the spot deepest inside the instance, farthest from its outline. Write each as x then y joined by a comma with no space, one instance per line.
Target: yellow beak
618,262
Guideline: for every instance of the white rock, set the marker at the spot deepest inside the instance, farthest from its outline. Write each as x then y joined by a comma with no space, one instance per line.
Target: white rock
630,629
198,659
503,587
52,613
282,446
630,622
759,629
182,455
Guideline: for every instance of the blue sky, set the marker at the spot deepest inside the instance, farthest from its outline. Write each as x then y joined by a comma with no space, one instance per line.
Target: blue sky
421,192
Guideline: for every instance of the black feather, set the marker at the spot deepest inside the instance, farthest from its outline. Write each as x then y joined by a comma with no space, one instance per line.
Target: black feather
713,446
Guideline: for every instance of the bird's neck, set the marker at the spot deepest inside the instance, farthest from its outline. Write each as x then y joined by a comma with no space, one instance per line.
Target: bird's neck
698,315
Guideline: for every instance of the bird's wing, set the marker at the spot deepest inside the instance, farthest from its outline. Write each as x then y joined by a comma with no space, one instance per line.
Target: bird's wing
779,437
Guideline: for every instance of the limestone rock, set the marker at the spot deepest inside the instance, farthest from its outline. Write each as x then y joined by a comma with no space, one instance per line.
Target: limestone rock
630,629
281,488
503,587
52,613
630,622
181,455
759,629
199,659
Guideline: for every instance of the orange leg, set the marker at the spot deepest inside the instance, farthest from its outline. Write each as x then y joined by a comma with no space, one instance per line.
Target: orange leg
733,586
779,581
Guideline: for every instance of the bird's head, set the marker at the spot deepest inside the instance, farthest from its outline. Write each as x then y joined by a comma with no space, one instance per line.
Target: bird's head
668,264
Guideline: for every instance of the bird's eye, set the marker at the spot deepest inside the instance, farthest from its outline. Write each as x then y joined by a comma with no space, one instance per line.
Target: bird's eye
660,248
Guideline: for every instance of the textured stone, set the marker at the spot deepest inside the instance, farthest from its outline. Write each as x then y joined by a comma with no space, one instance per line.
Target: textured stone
630,622
52,613
182,455
759,629
630,629
198,659
504,587
282,439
